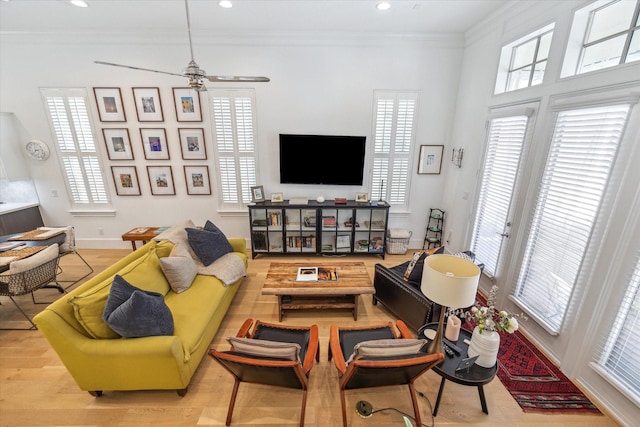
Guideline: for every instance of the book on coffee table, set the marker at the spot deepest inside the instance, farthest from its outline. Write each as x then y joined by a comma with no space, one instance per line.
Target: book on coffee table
317,274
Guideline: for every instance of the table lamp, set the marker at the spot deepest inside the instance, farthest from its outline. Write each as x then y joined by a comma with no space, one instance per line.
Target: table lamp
450,281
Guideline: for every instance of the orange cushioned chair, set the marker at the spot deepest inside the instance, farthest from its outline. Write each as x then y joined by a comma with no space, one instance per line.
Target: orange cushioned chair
272,354
375,356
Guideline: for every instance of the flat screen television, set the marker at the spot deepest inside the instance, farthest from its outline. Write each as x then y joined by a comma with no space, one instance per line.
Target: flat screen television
322,159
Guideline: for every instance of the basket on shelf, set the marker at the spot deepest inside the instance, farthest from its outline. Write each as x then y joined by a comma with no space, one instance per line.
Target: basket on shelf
398,241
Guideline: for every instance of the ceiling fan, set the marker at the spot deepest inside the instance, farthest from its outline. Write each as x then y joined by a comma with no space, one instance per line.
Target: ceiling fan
193,72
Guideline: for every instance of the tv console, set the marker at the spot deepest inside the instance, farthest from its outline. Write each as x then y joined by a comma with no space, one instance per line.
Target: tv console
326,228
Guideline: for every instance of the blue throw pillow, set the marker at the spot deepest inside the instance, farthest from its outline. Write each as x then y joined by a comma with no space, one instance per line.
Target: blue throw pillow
132,312
208,244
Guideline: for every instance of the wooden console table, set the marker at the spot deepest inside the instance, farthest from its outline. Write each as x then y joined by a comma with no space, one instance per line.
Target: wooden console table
353,281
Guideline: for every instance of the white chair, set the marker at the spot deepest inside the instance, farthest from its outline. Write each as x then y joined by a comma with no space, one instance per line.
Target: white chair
30,274
68,247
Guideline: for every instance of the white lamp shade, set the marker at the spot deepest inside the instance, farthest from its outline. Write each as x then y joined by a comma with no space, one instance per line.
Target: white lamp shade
450,281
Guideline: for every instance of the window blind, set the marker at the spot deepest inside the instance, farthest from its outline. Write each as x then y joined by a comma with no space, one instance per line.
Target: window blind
69,118
234,131
505,141
581,155
394,136
619,358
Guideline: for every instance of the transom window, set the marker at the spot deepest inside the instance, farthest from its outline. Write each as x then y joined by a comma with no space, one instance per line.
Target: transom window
523,62
608,36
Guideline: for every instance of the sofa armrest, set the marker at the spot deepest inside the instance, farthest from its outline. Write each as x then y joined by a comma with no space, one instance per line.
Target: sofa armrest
239,245
403,299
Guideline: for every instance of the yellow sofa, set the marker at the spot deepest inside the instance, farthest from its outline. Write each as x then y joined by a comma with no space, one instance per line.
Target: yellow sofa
99,363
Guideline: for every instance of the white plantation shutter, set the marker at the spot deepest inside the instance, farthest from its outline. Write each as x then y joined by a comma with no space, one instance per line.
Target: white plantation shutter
582,152
505,143
394,136
76,146
619,359
235,145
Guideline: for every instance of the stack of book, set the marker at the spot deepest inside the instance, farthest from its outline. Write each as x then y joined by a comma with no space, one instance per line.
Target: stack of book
328,222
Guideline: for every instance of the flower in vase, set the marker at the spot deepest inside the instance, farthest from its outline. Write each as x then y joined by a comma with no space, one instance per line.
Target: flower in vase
489,319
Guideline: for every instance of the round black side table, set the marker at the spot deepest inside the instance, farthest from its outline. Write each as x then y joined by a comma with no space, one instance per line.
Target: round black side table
473,376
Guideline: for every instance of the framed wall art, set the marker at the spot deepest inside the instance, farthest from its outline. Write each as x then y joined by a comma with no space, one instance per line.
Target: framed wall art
197,179
109,102
126,181
154,142
187,103
430,159
118,144
148,104
161,180
192,144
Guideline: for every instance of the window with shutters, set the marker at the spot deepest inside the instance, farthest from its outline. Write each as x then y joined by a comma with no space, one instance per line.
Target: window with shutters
523,62
581,155
235,146
619,359
500,171
68,114
604,34
394,140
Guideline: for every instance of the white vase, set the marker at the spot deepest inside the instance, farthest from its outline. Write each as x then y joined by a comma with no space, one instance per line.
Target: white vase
485,345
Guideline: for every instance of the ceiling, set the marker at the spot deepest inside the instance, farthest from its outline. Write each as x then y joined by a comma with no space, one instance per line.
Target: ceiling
245,17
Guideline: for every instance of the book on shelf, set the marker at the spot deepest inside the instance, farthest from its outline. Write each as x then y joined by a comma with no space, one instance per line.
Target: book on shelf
160,230
374,224
139,230
317,274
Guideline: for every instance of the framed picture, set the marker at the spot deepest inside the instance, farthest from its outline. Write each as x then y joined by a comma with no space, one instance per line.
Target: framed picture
126,181
192,144
118,144
197,179
362,197
430,159
343,241
154,142
148,104
109,101
161,180
187,103
277,198
257,194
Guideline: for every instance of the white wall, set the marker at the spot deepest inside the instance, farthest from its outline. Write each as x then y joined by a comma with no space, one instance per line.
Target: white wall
319,85
596,298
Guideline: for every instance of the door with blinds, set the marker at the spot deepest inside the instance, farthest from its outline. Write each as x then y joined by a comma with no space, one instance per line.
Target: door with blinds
507,136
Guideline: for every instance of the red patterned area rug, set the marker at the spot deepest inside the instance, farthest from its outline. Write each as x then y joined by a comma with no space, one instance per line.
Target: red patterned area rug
533,380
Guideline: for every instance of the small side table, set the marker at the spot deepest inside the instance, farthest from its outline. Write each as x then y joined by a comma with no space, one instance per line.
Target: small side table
474,376
138,235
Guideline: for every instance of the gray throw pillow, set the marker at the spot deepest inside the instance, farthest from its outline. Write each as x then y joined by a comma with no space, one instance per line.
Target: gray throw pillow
132,312
208,244
386,348
179,271
415,275
265,348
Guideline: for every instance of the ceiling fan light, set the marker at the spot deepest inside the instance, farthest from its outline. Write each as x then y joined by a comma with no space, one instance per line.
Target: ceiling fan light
383,5
225,4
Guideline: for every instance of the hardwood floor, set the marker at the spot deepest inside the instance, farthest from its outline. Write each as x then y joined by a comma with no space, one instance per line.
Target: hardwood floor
37,390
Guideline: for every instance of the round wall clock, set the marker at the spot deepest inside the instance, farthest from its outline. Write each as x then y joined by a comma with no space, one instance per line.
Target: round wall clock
37,149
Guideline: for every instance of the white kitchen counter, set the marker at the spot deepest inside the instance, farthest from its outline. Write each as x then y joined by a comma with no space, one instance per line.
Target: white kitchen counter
9,207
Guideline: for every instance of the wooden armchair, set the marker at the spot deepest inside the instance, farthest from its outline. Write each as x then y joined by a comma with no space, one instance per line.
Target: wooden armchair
258,357
382,365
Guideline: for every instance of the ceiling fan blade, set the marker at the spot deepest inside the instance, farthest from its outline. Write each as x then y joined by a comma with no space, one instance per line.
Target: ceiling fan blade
234,79
137,68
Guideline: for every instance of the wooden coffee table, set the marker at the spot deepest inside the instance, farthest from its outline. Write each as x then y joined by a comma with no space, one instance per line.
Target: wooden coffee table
353,281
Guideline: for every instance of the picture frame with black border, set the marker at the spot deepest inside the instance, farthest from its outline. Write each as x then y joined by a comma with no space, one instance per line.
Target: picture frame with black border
154,143
192,144
125,179
148,104
161,180
430,159
109,102
187,104
197,180
343,241
118,143
257,194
